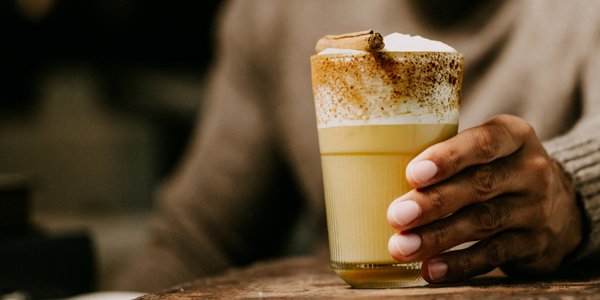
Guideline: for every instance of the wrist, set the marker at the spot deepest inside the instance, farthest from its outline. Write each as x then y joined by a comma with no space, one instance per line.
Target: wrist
577,227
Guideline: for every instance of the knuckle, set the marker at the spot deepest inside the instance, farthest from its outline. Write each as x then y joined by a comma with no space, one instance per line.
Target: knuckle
526,128
502,120
484,181
539,163
515,128
497,252
464,264
541,166
490,218
439,236
523,129
487,145
451,158
436,198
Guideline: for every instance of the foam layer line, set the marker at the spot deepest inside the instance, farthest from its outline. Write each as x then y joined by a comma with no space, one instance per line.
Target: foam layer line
449,117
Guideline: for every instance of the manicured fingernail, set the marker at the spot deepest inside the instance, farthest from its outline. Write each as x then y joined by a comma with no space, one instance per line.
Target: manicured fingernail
405,244
437,270
404,212
422,171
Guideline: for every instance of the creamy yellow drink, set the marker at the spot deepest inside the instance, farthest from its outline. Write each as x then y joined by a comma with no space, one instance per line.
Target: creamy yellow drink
376,112
363,171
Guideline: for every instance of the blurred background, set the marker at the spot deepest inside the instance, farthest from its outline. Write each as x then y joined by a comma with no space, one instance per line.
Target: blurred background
98,100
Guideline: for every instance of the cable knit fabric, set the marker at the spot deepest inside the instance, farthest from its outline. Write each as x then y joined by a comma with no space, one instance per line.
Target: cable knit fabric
580,157
250,185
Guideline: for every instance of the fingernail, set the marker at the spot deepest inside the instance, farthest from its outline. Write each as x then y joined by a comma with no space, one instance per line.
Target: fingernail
437,270
422,171
405,244
404,212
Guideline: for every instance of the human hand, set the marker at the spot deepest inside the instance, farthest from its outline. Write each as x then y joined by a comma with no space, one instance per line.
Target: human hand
494,184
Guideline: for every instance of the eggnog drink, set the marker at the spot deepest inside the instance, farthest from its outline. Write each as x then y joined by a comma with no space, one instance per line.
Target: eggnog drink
375,112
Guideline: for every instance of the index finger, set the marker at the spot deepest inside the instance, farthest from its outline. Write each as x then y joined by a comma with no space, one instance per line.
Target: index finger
498,137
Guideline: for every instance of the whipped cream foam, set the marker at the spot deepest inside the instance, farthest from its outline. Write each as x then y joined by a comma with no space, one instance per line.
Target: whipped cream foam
413,80
398,42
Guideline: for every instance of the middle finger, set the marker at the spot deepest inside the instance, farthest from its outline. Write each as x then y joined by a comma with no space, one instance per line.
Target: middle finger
477,222
473,185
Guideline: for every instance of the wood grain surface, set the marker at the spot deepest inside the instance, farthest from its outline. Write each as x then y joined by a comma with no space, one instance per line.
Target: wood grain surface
311,277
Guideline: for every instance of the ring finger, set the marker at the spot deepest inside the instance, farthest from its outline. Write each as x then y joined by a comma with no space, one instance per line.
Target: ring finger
477,222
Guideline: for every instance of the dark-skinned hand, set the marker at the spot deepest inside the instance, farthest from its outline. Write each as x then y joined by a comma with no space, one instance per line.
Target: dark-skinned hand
494,184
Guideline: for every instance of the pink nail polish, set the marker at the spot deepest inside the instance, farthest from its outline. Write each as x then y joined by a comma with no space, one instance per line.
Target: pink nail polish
437,270
404,212
422,171
406,244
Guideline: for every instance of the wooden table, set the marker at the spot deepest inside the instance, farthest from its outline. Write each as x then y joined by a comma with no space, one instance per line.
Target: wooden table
311,277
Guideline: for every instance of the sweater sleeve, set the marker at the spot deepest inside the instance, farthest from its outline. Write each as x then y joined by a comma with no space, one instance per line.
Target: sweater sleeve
579,153
221,207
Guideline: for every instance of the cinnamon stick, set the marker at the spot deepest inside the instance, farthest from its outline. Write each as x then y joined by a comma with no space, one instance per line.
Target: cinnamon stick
367,40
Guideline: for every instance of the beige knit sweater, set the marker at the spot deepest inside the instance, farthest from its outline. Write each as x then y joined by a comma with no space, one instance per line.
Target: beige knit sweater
250,185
